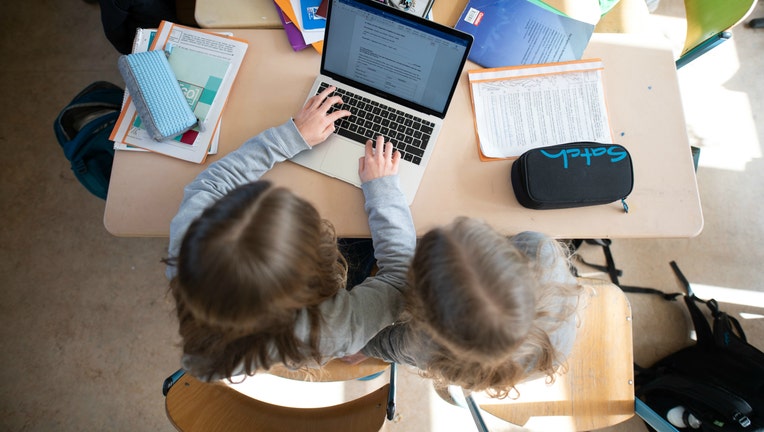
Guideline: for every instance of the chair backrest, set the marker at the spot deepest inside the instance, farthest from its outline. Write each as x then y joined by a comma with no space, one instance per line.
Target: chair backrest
597,390
193,405
335,370
708,24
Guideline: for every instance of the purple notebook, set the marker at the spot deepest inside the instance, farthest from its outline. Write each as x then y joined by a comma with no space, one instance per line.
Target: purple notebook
292,32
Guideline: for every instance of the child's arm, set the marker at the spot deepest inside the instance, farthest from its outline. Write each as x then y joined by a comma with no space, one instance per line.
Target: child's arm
310,126
391,345
353,317
390,222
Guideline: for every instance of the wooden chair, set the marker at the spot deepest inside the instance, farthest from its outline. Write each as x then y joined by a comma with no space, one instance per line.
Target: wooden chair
597,390
193,405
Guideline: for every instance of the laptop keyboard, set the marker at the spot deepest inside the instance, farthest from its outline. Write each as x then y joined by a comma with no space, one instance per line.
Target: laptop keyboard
409,134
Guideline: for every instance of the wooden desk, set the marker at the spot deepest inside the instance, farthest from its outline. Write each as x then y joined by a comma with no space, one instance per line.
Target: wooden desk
646,116
262,13
236,14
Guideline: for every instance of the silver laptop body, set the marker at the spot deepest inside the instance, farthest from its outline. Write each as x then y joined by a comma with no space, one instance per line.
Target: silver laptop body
401,70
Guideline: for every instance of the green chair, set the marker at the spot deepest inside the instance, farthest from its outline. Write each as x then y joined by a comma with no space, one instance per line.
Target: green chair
708,25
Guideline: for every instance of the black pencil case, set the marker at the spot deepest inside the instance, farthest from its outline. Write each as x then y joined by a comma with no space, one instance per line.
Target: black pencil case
573,175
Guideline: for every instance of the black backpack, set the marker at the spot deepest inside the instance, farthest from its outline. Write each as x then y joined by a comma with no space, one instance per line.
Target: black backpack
717,384
83,128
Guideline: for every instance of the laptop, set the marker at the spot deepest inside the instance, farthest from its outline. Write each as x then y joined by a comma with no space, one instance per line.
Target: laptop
396,72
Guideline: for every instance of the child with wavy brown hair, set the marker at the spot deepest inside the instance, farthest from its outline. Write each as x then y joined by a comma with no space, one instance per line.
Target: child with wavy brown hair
256,273
484,311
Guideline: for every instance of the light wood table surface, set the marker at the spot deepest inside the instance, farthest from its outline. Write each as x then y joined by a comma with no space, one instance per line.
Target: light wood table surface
236,14
645,111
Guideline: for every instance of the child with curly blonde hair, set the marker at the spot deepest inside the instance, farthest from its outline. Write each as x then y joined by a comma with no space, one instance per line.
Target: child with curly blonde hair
484,311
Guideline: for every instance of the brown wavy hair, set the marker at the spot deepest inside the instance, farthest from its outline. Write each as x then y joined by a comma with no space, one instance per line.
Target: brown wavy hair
247,268
485,307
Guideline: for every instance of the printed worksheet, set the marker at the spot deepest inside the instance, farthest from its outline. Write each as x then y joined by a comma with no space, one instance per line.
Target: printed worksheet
521,108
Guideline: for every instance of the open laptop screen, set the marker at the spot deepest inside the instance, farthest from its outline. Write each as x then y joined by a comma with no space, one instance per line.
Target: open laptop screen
394,54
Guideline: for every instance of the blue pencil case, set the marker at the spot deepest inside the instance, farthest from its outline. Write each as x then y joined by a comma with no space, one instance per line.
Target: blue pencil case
158,99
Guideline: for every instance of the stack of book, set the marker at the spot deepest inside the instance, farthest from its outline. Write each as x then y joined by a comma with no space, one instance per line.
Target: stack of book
302,22
205,65
305,20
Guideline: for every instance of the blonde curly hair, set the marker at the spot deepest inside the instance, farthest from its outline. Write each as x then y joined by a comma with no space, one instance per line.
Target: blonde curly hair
485,308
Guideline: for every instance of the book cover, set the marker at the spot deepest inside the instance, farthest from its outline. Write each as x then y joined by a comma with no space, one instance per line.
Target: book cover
292,32
310,20
323,9
313,37
519,32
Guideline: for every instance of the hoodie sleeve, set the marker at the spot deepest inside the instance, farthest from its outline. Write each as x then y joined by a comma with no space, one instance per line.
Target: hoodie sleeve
244,165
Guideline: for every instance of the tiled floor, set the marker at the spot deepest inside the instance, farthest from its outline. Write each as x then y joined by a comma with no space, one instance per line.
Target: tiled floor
87,330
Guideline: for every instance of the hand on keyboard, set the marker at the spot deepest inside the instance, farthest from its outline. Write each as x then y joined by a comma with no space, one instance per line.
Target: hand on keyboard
379,161
408,133
315,121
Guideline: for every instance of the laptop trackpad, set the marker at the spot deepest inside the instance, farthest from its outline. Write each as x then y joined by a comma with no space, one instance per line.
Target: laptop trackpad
341,161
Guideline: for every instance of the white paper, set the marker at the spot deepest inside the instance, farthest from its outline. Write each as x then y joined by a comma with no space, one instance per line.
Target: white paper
518,109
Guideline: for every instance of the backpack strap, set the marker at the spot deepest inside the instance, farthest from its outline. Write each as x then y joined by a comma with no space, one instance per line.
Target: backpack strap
726,327
725,324
702,329
610,267
683,280
613,271
727,332
642,290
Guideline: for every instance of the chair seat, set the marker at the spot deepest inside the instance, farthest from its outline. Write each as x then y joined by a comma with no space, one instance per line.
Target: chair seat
193,405
597,390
